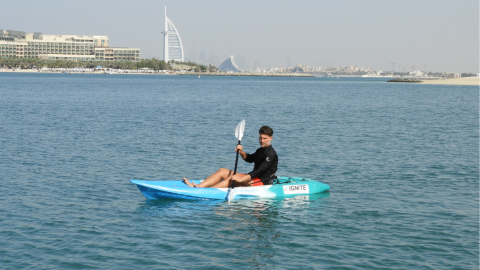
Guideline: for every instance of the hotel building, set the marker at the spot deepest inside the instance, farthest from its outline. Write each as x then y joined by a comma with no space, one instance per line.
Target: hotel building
172,47
62,47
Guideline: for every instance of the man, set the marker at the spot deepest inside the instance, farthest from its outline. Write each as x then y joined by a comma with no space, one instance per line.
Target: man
265,159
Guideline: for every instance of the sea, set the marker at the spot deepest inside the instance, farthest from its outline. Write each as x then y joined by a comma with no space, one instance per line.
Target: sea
402,161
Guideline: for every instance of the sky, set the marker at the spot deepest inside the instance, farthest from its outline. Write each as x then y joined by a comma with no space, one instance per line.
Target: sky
428,35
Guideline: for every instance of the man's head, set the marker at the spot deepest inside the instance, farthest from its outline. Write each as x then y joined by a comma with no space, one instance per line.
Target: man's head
266,136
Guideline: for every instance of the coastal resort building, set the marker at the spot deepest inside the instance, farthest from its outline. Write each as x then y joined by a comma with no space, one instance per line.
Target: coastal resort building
229,65
172,47
298,68
62,47
182,68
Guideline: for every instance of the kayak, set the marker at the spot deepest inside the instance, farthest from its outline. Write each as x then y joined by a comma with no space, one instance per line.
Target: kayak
282,187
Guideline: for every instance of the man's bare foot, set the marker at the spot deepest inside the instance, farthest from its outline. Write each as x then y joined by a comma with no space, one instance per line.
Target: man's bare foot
188,183
185,180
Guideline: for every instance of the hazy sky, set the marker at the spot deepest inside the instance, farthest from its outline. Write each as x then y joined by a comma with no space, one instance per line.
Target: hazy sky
432,34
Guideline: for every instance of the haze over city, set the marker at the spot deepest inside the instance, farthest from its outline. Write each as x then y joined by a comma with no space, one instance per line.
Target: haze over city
438,36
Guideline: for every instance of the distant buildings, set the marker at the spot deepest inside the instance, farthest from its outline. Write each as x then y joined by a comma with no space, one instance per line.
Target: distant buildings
172,48
62,47
416,73
344,70
229,65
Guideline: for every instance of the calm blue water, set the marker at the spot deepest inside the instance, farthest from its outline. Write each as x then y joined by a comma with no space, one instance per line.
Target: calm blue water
402,161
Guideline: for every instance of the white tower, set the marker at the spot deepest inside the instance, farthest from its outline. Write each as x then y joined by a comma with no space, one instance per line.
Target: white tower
172,47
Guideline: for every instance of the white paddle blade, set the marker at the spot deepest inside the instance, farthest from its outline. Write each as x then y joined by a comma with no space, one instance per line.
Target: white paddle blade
232,193
240,129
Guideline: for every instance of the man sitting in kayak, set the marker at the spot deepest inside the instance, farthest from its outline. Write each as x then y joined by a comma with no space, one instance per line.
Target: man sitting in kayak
265,159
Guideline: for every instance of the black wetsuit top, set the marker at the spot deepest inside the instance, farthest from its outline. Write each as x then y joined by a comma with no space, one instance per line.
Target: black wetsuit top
266,161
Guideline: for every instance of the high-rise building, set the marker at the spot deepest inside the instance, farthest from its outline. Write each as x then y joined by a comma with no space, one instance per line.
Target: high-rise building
229,65
62,47
213,59
202,58
172,47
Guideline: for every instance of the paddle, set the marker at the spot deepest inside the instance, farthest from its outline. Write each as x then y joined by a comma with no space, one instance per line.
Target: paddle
239,134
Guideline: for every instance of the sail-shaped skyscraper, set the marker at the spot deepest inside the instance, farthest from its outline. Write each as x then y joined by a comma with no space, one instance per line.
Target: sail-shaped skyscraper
229,65
172,48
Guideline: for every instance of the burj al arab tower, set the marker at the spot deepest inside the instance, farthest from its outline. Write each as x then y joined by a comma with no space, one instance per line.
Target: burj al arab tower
173,48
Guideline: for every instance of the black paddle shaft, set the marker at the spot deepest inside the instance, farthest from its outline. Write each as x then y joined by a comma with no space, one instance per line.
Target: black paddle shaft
236,160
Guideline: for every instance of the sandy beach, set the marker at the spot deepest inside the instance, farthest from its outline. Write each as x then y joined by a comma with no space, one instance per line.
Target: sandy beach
457,81
149,72
81,72
19,70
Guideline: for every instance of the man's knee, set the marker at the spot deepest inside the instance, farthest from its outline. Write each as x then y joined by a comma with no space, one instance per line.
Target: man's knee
225,172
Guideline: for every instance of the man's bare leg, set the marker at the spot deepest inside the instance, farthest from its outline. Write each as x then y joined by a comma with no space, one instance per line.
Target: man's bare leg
223,184
215,178
228,183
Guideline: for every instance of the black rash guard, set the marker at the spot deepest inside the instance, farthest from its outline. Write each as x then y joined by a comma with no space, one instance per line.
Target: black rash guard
266,161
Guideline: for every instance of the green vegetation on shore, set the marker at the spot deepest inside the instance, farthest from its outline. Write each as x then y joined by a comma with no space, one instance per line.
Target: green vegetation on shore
155,64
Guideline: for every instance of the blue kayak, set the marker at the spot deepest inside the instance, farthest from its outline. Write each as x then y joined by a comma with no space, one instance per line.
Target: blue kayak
283,187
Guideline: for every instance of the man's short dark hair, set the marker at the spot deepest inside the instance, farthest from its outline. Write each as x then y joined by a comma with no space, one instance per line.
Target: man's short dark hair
266,130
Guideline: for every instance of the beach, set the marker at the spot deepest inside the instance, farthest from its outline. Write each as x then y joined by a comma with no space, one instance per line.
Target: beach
18,70
455,81
153,72
89,71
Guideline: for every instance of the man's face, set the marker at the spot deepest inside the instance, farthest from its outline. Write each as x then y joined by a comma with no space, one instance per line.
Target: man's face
264,140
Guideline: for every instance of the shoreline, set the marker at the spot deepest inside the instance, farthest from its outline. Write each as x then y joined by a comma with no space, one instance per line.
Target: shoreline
454,81
82,72
437,81
247,74
159,73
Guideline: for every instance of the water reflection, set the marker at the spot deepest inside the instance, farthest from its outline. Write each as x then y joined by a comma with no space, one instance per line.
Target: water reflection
166,204
256,226
167,207
241,232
